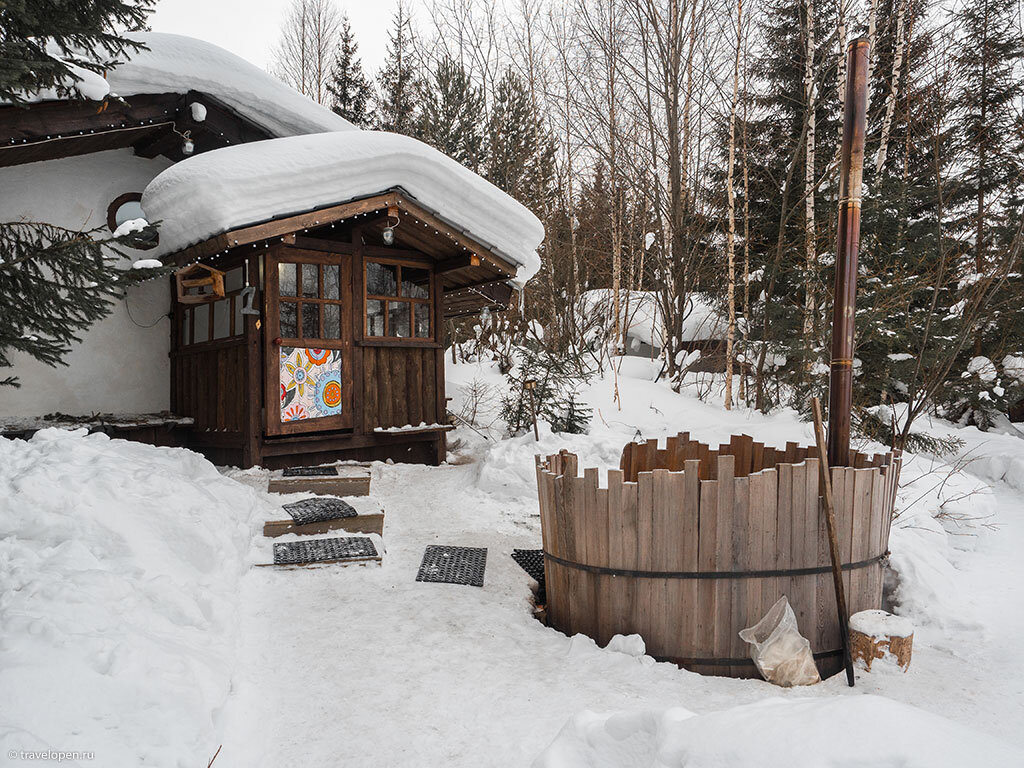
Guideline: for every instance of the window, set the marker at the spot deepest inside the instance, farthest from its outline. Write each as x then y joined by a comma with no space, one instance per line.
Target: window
397,301
310,300
127,207
215,320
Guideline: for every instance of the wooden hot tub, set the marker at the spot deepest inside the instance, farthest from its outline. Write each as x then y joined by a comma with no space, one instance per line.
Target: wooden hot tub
687,545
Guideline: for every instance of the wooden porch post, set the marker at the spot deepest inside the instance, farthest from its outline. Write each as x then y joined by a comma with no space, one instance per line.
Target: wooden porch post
840,396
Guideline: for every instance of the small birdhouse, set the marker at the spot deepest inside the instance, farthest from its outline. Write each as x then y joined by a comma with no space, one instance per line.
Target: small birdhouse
199,284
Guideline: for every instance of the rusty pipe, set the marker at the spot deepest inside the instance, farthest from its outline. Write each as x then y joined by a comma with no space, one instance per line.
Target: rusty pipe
851,176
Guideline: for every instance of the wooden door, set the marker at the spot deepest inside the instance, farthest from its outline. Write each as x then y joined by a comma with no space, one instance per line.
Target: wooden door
308,342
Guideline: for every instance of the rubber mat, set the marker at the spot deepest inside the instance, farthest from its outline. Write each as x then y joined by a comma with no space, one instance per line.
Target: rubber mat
453,565
319,509
323,550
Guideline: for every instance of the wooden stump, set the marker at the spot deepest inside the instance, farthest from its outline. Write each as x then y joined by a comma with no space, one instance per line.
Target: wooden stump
875,634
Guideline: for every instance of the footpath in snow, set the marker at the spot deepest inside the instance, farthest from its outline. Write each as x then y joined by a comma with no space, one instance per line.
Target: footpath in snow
132,624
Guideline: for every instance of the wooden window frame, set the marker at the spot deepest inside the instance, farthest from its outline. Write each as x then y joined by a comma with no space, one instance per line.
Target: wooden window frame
231,297
387,340
273,341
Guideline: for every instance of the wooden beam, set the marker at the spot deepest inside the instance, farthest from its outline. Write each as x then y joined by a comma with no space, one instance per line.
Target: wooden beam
279,227
462,239
457,262
373,523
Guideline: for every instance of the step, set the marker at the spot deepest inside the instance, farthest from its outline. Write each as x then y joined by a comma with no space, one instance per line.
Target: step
346,480
336,551
368,518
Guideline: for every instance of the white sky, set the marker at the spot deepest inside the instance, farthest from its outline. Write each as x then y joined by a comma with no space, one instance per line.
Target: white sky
249,28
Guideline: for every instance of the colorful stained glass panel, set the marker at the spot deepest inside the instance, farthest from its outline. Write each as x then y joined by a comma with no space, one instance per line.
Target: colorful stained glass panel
311,386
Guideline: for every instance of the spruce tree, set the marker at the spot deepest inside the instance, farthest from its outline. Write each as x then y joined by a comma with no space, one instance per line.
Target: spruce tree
452,118
350,89
520,153
399,82
776,134
989,62
42,40
56,282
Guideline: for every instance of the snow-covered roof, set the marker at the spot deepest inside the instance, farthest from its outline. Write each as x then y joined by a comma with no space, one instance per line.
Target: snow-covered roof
225,189
642,316
177,64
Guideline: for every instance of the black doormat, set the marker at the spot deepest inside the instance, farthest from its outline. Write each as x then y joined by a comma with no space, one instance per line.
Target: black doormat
319,510
453,565
310,472
532,561
321,550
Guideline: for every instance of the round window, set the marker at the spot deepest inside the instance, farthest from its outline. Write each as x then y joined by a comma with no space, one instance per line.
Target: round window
127,207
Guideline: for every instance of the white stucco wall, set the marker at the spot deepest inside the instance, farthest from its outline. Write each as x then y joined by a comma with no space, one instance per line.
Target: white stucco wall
119,367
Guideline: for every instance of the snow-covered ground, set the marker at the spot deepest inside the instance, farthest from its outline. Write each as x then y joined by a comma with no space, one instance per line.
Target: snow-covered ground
130,620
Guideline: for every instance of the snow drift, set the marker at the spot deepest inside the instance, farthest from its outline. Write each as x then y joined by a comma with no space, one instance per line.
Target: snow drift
177,64
228,188
119,572
795,733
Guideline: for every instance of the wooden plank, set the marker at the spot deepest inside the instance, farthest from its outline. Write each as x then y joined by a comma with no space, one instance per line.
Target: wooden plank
645,617
690,554
358,524
725,473
707,606
665,530
740,561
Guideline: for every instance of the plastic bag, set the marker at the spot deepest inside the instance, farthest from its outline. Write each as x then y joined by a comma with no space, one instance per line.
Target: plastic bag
781,653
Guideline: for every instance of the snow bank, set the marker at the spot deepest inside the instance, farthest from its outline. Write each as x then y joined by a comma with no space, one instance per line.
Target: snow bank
119,573
211,193
176,64
641,313
843,731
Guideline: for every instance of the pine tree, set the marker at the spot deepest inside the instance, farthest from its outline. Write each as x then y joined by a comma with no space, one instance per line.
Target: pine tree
54,284
452,119
520,153
43,39
350,89
399,82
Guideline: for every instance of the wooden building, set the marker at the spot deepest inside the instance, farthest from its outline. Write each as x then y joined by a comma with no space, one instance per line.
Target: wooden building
306,321
337,306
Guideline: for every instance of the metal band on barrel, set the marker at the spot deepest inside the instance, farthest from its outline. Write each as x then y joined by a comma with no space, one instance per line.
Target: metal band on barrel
711,574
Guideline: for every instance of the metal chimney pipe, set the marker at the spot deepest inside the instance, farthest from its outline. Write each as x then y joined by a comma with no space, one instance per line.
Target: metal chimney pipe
851,175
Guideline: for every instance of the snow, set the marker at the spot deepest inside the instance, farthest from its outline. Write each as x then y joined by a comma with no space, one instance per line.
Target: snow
642,316
881,624
147,264
87,84
177,64
422,426
1013,366
129,226
119,571
214,192
631,645
366,666
983,368
797,733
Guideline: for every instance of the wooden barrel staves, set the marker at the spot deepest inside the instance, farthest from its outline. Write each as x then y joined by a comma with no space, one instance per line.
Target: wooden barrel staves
686,545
